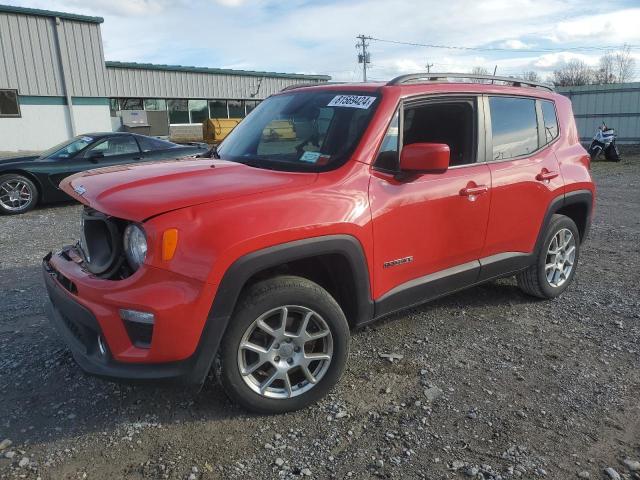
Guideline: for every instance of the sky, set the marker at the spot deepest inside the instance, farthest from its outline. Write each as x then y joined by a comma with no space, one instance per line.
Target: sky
319,37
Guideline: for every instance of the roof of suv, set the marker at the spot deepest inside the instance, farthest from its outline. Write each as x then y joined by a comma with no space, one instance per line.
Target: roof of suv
415,84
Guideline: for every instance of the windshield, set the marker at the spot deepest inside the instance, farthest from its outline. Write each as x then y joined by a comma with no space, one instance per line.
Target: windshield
301,131
69,148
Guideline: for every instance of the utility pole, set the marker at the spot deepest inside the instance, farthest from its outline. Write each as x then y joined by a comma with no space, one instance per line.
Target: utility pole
364,57
429,65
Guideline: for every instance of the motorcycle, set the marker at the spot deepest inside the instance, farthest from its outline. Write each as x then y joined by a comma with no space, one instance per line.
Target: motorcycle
604,141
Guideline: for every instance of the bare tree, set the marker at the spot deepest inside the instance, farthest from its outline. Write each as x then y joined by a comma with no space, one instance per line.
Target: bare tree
479,71
624,65
573,73
530,76
604,73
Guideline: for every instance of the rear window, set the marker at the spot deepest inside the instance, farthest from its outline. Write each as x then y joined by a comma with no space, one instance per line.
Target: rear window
514,127
550,121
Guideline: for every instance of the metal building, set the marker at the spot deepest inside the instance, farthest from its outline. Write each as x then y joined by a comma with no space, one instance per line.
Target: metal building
617,105
55,83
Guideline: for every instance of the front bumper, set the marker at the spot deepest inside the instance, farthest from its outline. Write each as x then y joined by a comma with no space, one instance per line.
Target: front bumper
85,311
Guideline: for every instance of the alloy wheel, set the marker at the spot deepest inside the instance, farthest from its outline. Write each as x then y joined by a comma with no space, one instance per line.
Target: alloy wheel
15,195
285,352
561,256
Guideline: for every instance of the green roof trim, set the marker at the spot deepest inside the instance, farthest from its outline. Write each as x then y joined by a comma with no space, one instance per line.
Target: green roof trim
220,71
48,13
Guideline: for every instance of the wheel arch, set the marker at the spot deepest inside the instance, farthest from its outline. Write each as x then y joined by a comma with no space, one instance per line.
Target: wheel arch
576,205
339,255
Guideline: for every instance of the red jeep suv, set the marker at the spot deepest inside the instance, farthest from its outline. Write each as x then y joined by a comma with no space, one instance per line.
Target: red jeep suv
328,207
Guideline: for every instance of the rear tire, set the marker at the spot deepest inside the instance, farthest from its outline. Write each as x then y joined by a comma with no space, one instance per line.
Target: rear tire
285,347
556,261
18,194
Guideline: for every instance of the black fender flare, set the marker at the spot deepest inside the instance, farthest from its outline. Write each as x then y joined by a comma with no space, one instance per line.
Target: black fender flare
576,197
237,275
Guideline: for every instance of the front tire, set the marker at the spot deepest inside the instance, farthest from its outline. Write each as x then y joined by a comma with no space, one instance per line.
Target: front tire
556,261
18,194
286,346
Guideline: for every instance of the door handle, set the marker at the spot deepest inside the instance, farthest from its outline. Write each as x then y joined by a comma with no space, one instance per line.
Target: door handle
473,191
546,175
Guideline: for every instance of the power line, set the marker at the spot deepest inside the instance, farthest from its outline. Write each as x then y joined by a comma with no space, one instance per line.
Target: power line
499,49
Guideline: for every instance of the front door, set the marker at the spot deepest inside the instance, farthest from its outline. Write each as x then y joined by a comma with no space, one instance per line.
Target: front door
429,230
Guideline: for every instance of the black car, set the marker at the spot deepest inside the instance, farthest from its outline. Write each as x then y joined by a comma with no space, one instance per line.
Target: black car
27,181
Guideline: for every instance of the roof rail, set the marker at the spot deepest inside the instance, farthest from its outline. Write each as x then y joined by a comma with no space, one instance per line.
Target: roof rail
436,77
303,85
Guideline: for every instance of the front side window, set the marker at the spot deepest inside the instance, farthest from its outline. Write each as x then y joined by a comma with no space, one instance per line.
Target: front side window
550,121
119,145
69,148
449,122
9,106
301,131
514,127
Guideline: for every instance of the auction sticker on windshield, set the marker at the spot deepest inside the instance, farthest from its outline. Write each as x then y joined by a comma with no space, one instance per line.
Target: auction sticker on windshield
352,101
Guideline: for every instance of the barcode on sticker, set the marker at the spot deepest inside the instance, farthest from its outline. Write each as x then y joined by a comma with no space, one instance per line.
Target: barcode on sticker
352,101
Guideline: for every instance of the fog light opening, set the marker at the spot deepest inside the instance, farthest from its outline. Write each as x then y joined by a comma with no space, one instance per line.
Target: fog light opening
139,326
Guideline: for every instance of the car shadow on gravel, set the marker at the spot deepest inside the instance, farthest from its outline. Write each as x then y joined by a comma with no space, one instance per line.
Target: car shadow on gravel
46,396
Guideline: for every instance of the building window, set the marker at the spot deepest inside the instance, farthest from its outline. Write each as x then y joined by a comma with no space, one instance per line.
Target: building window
131,104
250,105
218,109
198,111
178,111
236,109
9,106
155,104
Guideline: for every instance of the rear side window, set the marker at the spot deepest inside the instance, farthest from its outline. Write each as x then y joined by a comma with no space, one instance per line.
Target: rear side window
514,127
149,144
550,121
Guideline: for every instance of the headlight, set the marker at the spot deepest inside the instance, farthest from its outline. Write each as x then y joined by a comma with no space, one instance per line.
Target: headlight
135,245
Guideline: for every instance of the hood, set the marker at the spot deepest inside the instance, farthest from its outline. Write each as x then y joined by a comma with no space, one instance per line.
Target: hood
137,192
22,159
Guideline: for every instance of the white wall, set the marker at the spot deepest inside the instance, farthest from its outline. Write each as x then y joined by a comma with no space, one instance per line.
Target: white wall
43,126
92,118
39,128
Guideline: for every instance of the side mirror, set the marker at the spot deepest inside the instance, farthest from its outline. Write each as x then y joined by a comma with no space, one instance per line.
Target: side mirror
95,156
425,158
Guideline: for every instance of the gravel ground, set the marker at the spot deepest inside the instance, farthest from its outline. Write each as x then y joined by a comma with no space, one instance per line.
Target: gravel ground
487,383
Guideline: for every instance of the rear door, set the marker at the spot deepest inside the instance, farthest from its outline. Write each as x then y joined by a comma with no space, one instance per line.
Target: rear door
429,229
525,174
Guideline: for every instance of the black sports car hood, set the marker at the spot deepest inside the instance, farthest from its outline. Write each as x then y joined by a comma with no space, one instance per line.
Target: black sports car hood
16,160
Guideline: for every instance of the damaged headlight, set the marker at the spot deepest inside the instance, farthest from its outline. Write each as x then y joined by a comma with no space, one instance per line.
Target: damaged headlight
135,245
